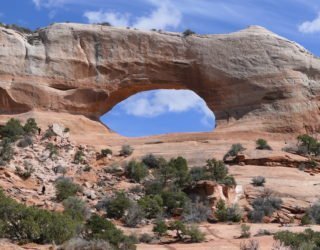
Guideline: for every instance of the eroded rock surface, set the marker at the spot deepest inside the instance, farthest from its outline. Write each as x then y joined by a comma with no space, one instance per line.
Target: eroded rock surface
248,77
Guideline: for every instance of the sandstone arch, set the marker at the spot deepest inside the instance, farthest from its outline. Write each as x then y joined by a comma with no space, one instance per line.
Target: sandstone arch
252,76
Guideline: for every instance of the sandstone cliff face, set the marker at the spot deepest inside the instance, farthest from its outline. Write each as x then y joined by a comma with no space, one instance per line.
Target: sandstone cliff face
249,77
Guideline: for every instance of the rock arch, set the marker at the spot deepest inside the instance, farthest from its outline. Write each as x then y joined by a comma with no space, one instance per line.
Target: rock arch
253,76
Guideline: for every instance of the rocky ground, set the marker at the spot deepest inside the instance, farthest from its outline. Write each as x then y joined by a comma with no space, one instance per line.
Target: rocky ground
297,188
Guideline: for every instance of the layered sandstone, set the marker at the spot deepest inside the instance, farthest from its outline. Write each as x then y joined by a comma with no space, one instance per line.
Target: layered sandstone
248,77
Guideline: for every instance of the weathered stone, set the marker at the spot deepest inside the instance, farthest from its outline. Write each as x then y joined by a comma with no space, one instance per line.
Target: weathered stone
253,76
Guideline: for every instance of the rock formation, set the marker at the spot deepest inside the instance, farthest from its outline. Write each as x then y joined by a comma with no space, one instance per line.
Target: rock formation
250,76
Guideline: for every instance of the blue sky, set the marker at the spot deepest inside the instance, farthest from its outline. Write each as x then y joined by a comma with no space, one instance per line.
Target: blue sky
297,20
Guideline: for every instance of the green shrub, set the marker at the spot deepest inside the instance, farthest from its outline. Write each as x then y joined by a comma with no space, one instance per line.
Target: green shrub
53,150
76,208
87,168
30,127
181,171
308,239
174,200
60,170
160,228
106,152
151,205
100,228
188,32
262,144
153,187
126,150
117,205
245,231
224,213
79,243
6,150
48,134
308,145
305,220
30,224
179,227
314,213
66,188
79,157
258,181
12,130
195,234
136,171
152,161
234,150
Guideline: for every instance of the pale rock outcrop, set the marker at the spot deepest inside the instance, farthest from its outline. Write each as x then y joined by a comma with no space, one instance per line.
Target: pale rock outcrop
252,77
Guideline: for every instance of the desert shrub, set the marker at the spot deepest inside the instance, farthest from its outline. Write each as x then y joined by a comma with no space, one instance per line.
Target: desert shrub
308,239
79,157
154,162
153,187
26,172
217,169
106,152
87,168
151,161
262,232
60,170
48,134
17,28
12,130
104,24
79,243
314,213
30,224
6,150
66,188
306,220
245,231
152,205
160,228
179,227
136,171
26,141
126,150
262,144
180,170
100,228
264,206
66,130
224,213
198,174
116,206
30,127
258,181
145,238
308,144
234,150
114,169
196,212
188,32
174,200
250,245
53,150
194,233
134,215
76,208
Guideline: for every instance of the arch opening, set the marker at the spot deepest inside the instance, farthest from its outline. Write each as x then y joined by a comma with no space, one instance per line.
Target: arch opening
160,111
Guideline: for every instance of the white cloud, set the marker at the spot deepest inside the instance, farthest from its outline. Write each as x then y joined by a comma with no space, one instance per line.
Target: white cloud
159,102
310,26
50,3
165,15
116,19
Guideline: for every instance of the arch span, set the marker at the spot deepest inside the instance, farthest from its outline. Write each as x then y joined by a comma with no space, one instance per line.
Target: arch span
253,76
